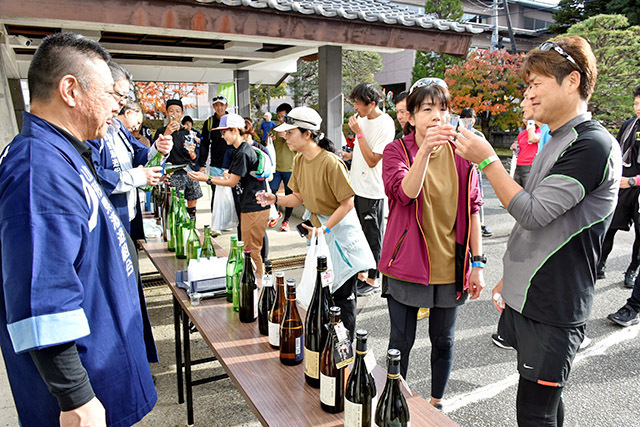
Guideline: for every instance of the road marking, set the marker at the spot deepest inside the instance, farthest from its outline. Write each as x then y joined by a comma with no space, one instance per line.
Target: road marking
600,348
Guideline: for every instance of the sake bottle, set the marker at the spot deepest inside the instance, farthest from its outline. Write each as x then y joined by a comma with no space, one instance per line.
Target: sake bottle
392,407
332,378
193,242
360,394
277,311
267,296
248,291
182,224
208,250
156,160
291,333
237,275
231,267
316,325
171,222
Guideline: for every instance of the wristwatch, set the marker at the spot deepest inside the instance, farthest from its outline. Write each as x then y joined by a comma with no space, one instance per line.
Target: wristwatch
209,180
479,258
632,182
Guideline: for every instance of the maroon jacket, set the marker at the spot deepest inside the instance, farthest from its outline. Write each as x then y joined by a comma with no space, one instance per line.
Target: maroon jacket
405,254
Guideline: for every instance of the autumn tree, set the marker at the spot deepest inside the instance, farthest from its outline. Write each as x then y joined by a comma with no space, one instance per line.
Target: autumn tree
153,95
489,83
615,45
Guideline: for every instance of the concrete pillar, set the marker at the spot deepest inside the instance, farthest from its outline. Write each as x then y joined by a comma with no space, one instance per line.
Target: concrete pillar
330,92
8,124
243,97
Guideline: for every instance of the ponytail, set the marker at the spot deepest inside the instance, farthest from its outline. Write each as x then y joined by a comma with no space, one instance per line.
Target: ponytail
321,140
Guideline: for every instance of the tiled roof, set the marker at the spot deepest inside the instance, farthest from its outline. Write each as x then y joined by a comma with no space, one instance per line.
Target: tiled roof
383,11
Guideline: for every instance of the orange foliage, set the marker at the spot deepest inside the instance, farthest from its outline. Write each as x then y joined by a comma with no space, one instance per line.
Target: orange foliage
153,95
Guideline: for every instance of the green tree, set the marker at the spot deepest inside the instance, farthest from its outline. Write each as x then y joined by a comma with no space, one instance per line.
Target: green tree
435,64
261,93
571,12
615,45
357,67
489,83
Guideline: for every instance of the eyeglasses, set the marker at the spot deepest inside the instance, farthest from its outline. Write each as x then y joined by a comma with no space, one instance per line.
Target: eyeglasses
428,81
219,98
291,120
119,96
552,46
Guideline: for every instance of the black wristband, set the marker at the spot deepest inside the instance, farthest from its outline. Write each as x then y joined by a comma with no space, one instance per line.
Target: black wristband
276,202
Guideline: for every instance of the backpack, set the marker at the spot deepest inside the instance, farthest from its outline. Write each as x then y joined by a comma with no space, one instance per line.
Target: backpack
264,170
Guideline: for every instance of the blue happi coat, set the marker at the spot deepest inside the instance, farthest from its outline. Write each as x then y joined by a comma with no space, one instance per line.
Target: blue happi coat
66,274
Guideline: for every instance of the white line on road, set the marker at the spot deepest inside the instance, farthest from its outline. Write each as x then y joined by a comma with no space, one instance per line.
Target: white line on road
488,391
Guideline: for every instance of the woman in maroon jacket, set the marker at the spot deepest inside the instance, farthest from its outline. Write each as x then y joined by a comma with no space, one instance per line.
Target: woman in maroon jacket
433,230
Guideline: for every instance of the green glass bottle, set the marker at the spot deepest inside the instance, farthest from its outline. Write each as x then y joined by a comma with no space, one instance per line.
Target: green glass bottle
171,221
156,160
182,227
237,276
231,267
208,250
193,242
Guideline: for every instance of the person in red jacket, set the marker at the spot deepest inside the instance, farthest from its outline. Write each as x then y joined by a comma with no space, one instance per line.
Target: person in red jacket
433,231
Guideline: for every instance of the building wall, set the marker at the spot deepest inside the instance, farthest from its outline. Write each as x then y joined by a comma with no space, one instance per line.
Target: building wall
396,71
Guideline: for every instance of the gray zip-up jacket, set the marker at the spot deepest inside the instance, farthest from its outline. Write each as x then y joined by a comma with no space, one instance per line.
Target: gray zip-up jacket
561,218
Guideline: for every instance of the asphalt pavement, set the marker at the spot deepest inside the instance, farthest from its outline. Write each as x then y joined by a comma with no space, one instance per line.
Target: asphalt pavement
603,388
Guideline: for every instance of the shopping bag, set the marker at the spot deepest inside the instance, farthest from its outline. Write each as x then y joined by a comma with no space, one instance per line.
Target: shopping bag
223,215
272,150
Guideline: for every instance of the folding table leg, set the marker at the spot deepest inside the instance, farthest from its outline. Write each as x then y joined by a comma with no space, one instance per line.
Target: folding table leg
177,314
187,366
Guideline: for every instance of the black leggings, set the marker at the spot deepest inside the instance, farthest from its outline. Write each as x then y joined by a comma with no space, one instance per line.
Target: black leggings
346,298
539,405
442,322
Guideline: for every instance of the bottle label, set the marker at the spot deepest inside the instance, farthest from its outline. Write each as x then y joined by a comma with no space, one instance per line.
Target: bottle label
185,237
352,414
274,334
370,361
168,233
327,390
327,279
312,363
298,347
267,280
255,302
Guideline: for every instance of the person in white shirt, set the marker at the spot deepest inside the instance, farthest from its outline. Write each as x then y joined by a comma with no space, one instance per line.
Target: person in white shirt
374,130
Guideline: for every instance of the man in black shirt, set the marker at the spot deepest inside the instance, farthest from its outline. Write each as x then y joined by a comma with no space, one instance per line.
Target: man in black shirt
627,208
181,154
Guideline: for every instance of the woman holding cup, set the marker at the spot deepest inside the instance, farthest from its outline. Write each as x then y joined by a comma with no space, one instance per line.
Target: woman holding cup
321,181
433,231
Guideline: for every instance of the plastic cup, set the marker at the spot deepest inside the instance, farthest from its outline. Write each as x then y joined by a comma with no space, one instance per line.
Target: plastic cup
195,298
466,122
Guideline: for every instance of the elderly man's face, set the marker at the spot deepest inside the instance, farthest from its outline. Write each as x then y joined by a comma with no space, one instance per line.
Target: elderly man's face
121,89
97,106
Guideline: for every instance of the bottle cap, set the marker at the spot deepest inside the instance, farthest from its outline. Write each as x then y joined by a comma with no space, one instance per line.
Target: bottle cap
393,355
247,251
361,339
335,311
322,262
206,226
234,238
268,266
279,273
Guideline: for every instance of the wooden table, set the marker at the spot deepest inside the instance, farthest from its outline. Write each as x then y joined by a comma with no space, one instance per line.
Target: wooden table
277,394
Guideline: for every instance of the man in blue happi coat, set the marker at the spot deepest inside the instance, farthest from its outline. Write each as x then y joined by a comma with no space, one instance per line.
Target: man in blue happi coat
71,323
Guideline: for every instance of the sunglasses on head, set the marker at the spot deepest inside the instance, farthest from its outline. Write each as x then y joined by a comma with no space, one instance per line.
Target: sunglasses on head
291,120
428,81
552,46
218,99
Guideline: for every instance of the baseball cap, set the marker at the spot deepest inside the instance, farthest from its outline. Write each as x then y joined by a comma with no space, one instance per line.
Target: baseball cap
171,102
231,121
267,114
219,98
301,117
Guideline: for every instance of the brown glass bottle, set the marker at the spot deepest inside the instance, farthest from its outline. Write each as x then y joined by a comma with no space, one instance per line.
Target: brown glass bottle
291,331
332,379
277,311
316,327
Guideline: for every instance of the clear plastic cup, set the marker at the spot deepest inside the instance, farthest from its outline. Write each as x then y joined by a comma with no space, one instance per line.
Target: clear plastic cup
466,122
195,298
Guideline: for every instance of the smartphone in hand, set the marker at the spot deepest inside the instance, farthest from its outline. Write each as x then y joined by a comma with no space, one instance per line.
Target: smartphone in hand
303,231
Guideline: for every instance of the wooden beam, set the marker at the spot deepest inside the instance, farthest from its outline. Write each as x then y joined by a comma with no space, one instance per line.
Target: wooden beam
241,20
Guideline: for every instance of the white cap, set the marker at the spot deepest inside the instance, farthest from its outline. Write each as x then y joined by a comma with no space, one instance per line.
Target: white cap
267,115
219,98
301,117
231,121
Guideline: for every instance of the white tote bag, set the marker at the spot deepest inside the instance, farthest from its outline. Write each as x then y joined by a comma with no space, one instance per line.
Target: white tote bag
317,247
224,214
